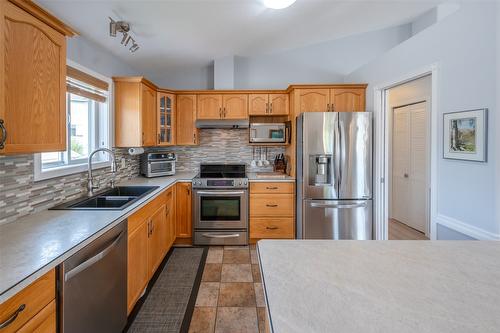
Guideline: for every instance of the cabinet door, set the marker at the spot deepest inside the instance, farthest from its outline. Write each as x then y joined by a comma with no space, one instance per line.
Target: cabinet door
165,120
209,107
278,104
313,100
157,239
183,210
148,115
347,100
33,83
137,263
186,131
235,106
258,104
170,216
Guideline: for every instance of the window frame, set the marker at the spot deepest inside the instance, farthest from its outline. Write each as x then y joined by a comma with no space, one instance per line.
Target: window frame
102,132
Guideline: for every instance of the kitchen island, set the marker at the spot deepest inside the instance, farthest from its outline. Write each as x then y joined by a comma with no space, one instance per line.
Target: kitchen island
381,286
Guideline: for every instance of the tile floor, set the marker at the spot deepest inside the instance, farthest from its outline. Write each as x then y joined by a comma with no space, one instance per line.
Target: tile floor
231,298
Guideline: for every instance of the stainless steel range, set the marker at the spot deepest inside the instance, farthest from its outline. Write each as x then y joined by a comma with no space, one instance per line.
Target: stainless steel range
220,205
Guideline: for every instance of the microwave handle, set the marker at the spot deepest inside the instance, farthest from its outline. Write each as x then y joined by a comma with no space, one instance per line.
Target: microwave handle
253,133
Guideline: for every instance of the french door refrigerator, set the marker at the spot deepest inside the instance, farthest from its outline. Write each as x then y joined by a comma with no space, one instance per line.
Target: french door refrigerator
334,175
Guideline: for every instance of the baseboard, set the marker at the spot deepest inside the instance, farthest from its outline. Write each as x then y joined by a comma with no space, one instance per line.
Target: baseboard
465,228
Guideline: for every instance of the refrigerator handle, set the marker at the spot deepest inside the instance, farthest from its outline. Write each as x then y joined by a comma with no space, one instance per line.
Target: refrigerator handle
338,206
337,156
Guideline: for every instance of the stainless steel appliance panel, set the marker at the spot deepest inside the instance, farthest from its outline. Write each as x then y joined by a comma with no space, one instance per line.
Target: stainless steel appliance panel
93,289
354,150
337,219
220,209
316,143
220,237
268,132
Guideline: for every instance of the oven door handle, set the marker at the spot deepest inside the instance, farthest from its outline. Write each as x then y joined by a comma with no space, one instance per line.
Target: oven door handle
209,235
221,192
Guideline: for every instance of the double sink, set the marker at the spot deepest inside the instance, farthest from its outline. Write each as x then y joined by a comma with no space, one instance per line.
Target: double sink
116,198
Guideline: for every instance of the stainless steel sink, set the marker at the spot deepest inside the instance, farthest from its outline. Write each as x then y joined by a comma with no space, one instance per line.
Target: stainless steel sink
116,198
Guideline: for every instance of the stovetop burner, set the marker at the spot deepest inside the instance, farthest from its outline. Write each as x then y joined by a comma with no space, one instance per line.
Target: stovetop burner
221,176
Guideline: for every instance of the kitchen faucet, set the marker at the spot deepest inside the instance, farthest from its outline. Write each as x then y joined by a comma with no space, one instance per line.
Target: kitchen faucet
90,179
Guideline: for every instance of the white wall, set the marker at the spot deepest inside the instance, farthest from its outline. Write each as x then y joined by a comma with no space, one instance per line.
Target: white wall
496,144
92,56
465,50
185,78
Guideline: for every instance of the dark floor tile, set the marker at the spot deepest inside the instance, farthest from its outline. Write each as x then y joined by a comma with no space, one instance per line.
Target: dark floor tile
203,320
236,273
211,273
236,294
236,320
236,257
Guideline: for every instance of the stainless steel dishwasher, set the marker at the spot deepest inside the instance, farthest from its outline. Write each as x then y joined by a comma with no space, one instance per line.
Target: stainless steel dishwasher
93,285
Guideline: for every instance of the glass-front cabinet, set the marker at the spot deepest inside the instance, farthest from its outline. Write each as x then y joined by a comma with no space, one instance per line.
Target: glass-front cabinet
166,119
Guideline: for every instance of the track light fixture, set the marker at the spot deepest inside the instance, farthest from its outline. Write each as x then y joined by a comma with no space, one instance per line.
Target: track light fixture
124,28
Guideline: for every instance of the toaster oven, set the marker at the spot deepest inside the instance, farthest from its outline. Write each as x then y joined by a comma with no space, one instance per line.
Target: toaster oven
158,164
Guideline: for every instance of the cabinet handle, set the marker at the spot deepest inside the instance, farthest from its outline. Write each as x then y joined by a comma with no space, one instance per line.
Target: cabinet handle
12,318
194,137
149,229
158,137
271,188
271,228
224,113
271,205
220,112
267,107
328,107
270,107
189,191
333,108
4,136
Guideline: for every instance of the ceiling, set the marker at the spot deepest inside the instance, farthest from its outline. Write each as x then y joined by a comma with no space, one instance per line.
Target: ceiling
182,33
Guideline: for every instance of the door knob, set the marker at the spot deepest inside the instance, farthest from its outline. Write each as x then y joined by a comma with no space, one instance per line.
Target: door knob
406,175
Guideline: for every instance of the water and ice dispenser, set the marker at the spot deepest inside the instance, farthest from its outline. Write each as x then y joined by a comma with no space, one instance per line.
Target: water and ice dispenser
320,167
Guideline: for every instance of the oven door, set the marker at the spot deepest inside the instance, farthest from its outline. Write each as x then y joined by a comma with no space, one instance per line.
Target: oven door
220,209
161,168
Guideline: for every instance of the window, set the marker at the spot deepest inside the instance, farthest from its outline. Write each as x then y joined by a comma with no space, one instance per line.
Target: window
88,127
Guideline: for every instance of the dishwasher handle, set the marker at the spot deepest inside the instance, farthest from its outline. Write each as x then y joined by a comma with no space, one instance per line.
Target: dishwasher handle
89,262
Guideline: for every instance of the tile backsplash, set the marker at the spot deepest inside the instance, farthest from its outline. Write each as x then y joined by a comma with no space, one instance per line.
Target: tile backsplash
20,195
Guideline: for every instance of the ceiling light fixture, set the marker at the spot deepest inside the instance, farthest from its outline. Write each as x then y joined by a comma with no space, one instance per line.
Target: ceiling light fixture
124,28
278,4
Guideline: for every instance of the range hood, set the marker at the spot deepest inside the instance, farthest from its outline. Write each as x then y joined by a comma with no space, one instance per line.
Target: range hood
222,123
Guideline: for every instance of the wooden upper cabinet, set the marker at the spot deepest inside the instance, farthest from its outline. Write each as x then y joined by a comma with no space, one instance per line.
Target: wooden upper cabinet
279,104
135,113
166,113
347,99
148,116
313,100
268,104
209,107
183,210
186,131
235,106
33,82
258,104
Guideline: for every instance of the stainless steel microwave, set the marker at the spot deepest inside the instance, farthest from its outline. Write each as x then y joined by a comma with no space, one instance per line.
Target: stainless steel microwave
268,133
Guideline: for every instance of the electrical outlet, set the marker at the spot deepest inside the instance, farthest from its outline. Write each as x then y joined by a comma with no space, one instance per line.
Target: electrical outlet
123,165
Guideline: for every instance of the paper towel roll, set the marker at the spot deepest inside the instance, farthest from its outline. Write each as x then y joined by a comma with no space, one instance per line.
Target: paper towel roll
135,151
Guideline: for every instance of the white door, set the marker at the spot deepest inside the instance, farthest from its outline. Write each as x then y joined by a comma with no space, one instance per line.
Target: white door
409,166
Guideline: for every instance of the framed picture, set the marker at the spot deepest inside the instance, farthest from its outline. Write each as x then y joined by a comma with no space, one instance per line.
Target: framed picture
465,135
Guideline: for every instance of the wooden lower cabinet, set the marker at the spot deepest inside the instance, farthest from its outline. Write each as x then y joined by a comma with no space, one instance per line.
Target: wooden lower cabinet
272,210
43,322
183,210
36,298
150,237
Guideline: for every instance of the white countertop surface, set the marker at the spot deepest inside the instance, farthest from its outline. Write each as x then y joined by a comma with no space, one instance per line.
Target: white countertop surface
381,286
33,245
254,177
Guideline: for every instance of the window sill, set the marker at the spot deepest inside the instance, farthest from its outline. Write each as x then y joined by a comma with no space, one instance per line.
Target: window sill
66,170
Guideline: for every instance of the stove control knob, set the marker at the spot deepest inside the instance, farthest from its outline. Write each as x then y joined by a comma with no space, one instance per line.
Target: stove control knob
245,182
239,183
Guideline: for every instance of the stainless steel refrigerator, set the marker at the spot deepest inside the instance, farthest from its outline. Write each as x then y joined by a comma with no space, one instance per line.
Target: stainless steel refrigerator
334,175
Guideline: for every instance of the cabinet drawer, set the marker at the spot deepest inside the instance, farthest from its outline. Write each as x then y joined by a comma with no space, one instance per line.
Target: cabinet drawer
265,227
271,205
34,297
136,219
266,188
43,322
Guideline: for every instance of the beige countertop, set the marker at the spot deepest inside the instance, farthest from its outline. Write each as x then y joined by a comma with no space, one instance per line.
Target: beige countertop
33,245
381,286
